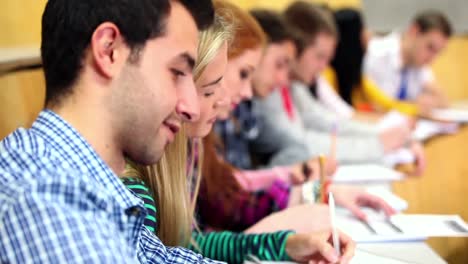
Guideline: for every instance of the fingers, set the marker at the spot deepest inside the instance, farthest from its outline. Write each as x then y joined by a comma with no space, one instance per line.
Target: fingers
328,252
348,248
376,203
353,207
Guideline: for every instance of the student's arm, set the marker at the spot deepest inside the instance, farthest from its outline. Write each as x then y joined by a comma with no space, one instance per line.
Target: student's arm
67,221
376,96
318,118
235,247
431,97
255,180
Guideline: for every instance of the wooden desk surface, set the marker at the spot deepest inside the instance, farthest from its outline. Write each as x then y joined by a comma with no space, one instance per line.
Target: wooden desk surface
11,58
443,189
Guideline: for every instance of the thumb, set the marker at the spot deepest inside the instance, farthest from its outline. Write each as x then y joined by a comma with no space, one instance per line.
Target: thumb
328,252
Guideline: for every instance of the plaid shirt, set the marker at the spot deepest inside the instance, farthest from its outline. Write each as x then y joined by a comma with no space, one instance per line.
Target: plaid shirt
60,203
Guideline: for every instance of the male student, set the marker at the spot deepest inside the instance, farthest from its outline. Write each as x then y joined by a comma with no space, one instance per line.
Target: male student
107,65
399,63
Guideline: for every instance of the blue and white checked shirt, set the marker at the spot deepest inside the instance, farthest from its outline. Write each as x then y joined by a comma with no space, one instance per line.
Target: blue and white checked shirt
60,203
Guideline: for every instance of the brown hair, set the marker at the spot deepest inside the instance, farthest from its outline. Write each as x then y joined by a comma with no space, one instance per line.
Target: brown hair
308,20
429,20
248,35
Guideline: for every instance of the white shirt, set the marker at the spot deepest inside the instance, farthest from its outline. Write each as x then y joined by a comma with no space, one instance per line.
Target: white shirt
383,64
331,100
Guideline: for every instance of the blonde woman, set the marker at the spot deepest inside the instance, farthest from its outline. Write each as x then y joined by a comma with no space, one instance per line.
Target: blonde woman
168,181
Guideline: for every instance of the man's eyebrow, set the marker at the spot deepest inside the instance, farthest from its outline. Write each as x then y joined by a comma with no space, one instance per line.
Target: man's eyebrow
189,59
213,82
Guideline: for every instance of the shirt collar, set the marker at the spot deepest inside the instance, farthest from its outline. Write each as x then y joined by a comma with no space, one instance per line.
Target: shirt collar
395,44
74,149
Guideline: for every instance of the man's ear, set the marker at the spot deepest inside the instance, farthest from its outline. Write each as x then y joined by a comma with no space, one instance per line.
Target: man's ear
107,49
414,30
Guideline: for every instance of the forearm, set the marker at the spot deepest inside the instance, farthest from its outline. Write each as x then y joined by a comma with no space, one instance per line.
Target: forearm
235,247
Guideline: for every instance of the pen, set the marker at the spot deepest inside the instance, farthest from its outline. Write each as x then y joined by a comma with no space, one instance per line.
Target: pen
335,238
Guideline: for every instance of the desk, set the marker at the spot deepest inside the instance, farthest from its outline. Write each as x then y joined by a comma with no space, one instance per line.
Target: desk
16,58
443,189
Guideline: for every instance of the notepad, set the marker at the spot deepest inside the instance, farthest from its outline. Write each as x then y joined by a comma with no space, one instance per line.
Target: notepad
426,129
365,173
360,257
450,114
401,227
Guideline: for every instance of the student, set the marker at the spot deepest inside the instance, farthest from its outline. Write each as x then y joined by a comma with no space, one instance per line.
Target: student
61,198
209,72
222,192
346,74
305,122
399,62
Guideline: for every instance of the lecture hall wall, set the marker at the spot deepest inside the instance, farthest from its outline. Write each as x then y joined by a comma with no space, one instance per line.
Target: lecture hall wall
22,94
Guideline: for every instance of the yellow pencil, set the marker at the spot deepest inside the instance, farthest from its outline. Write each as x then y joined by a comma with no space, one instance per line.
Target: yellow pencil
322,177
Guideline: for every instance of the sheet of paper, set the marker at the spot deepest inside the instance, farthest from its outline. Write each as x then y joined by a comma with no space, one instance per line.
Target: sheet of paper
451,115
364,173
401,227
426,129
360,257
401,156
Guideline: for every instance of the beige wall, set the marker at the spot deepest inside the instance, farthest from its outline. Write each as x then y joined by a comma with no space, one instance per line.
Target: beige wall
21,95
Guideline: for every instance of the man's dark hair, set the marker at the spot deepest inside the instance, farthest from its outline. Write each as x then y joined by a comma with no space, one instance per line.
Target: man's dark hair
308,20
429,20
68,25
274,25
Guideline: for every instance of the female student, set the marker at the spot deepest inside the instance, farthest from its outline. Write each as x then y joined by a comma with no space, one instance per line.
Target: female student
281,245
346,75
219,193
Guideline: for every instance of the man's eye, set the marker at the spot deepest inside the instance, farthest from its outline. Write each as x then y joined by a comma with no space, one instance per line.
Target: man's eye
177,72
208,94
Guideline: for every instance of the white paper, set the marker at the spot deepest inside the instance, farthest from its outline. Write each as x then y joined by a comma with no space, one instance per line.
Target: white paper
451,115
401,156
365,173
401,227
364,257
426,129
360,257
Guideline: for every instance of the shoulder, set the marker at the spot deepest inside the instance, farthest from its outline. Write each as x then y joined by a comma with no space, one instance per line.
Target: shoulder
383,45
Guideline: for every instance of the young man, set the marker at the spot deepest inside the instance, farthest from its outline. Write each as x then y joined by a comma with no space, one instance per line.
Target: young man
399,63
60,197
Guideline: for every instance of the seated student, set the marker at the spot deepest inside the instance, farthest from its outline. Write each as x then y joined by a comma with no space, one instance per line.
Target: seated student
222,190
174,217
399,63
303,121
346,75
61,200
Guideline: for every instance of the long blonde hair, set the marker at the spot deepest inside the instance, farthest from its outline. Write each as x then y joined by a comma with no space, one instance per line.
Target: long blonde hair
168,181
